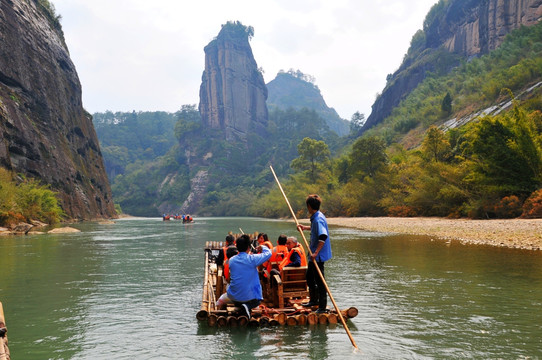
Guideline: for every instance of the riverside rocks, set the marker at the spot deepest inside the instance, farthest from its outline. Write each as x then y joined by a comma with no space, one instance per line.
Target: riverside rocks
38,228
512,233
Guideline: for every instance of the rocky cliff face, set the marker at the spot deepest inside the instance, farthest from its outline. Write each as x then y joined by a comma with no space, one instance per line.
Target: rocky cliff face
464,28
233,93
44,131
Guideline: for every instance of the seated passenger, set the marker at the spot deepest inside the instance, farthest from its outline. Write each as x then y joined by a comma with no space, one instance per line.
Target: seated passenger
278,254
245,289
222,254
231,252
296,257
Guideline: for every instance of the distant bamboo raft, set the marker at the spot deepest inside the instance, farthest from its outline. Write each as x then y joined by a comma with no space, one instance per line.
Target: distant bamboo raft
4,350
261,316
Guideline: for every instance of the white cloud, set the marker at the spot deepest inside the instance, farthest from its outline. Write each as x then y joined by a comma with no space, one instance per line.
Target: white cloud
148,55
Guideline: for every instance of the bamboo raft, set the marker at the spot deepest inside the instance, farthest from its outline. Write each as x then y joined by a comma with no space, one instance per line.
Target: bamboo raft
4,350
281,304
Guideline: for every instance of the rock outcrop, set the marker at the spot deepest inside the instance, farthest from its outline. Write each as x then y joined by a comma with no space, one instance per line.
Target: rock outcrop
464,28
233,93
44,131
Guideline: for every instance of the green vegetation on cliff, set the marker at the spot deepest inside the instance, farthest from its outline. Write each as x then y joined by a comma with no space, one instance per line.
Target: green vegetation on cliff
26,200
474,85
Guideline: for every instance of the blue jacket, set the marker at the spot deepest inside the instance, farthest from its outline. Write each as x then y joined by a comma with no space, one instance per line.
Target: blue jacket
319,227
245,281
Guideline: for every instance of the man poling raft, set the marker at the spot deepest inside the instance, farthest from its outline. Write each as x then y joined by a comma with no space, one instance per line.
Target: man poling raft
313,256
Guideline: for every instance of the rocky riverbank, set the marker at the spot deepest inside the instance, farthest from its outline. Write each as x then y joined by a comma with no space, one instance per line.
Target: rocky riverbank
513,233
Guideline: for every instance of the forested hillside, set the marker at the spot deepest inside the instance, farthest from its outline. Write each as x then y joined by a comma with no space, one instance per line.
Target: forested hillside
408,165
146,174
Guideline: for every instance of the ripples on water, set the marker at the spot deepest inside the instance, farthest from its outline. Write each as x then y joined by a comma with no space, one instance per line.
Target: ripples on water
131,290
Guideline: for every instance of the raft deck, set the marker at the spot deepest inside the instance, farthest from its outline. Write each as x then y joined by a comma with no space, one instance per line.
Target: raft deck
283,297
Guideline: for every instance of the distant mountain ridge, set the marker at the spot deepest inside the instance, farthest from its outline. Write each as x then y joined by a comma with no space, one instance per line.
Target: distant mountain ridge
297,90
453,31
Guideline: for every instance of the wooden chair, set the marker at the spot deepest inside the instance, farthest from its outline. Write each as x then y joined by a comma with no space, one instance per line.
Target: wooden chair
291,284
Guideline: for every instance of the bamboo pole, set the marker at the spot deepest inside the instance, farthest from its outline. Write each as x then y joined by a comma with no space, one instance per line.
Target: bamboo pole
312,318
314,260
242,320
291,321
211,320
281,318
204,310
4,350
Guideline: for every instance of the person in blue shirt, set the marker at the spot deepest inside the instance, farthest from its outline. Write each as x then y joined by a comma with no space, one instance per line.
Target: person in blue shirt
245,289
320,246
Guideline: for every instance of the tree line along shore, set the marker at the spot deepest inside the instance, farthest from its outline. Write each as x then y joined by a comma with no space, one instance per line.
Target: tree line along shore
512,233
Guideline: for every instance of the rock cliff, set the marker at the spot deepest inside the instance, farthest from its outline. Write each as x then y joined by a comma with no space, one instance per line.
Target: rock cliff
463,29
233,93
44,131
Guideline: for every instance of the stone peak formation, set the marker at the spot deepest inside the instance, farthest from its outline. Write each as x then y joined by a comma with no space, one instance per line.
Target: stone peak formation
233,93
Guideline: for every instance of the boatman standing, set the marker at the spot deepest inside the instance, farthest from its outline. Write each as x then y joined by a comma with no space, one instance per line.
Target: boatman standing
320,246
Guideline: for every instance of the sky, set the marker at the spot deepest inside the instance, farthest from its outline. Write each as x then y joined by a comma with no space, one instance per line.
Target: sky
147,55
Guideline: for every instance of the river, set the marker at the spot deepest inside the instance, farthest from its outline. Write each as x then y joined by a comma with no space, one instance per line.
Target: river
131,290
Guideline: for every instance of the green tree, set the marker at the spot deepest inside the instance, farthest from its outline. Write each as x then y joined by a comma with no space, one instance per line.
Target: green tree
356,123
314,156
501,157
188,121
435,146
368,156
446,104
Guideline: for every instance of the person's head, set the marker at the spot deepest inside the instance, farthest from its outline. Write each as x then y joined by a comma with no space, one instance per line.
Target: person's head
282,239
262,237
229,239
291,242
313,202
243,243
231,251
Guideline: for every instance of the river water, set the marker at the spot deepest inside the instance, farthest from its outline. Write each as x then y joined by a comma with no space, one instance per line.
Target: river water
131,290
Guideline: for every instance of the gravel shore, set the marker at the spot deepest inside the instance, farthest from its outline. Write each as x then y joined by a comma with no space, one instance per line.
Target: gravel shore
513,233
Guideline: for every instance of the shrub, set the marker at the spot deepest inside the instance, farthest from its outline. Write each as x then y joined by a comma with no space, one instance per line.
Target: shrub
532,208
25,201
402,211
508,207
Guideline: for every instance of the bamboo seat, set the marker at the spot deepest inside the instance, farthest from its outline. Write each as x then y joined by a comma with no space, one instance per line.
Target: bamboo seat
291,284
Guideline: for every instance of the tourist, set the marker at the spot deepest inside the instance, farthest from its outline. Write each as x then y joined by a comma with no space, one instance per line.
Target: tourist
230,252
222,254
296,255
278,254
245,289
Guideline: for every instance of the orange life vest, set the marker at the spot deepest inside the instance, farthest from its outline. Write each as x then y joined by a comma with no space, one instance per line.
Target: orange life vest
227,270
279,253
300,251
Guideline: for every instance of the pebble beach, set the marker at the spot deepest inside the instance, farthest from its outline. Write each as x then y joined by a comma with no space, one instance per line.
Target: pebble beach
513,233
